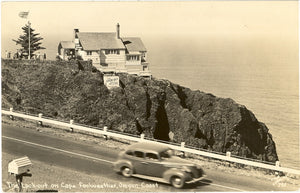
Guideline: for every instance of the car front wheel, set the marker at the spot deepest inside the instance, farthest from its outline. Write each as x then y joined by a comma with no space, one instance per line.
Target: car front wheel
126,171
177,182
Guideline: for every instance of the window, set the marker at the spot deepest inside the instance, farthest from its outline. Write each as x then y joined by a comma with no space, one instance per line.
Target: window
88,52
151,156
139,154
166,154
112,52
133,57
129,152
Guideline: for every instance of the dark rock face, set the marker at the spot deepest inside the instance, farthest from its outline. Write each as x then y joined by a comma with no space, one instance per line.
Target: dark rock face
157,108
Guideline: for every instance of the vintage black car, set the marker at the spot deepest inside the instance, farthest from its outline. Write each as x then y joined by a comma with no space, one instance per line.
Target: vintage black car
157,162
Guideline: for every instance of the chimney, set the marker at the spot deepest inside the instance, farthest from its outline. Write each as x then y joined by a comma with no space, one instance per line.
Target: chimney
118,30
75,32
75,38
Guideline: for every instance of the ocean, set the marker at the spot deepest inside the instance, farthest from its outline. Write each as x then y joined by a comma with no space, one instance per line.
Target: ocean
258,72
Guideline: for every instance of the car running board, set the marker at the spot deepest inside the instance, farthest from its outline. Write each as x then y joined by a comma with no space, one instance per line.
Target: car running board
151,178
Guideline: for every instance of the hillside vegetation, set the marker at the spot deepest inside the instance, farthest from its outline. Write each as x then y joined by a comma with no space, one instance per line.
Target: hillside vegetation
157,108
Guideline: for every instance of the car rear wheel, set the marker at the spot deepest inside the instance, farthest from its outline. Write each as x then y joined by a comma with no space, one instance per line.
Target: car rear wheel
126,171
177,182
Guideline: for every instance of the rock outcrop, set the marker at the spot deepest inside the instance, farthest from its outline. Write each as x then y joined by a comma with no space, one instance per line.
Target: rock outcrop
157,108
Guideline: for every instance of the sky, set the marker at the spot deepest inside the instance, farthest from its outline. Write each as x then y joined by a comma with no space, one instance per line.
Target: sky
55,21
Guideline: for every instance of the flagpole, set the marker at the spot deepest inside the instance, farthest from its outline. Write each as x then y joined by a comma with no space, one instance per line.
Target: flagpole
28,40
24,14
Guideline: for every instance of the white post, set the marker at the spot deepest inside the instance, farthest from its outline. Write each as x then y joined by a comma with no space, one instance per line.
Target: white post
11,116
182,154
228,154
105,130
71,123
277,164
142,136
40,122
182,144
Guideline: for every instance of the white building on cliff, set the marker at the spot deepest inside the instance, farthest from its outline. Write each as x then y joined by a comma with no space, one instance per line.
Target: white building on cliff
108,51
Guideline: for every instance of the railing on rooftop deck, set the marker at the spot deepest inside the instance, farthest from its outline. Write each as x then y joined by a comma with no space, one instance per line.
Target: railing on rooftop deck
145,63
180,147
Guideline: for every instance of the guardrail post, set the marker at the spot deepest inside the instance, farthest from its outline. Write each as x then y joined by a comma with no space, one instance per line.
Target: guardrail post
182,153
105,130
228,154
142,136
182,144
71,128
277,164
11,116
40,123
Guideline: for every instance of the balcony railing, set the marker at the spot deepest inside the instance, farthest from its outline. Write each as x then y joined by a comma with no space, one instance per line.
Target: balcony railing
106,68
145,63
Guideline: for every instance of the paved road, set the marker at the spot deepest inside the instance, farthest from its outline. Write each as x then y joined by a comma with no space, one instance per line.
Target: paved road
94,159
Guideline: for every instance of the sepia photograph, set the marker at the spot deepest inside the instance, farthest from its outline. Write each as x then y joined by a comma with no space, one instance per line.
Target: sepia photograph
150,96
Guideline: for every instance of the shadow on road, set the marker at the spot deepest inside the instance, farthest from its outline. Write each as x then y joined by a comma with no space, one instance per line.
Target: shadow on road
203,182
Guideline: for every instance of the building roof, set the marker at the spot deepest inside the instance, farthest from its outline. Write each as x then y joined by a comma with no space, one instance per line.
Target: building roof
134,44
68,44
97,41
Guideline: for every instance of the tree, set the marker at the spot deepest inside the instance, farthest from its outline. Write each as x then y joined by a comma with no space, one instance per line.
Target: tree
23,40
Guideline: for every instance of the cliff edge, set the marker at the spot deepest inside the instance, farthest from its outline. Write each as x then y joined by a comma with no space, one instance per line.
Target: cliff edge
157,108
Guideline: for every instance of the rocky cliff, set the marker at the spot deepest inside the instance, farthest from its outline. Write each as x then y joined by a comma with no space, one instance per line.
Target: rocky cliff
157,108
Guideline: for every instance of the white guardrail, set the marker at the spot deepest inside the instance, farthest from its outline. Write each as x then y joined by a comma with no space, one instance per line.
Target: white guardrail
181,147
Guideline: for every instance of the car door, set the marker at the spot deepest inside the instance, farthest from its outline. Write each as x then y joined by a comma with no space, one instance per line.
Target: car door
138,162
153,166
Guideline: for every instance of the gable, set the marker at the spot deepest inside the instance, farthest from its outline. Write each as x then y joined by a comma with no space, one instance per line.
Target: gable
134,44
67,44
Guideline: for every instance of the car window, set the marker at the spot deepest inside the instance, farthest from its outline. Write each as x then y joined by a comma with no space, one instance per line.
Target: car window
151,156
166,154
129,152
139,154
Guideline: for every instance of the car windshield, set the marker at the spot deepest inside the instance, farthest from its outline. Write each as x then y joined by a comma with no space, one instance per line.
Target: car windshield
166,154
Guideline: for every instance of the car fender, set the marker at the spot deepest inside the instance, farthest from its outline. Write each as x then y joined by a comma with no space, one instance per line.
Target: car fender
118,165
175,172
